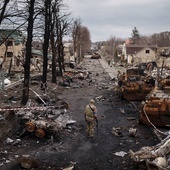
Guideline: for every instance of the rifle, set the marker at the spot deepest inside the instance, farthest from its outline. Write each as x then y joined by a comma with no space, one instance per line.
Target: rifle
97,126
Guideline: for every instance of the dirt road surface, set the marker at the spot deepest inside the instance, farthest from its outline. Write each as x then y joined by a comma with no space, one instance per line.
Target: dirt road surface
108,150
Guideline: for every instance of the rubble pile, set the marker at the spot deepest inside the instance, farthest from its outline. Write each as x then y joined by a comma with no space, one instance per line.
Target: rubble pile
53,122
156,157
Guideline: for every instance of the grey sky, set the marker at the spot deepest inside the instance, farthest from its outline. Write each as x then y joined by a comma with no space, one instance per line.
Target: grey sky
106,18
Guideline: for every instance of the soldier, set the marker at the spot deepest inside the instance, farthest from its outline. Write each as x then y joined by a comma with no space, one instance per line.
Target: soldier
90,117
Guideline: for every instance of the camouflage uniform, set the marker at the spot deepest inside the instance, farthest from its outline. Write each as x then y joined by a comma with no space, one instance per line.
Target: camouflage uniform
90,116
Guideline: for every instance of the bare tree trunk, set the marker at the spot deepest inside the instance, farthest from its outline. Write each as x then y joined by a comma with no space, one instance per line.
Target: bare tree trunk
28,54
59,60
62,55
76,36
53,43
46,43
58,27
54,54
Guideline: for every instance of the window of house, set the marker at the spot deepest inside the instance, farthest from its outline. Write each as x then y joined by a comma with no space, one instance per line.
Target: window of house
9,43
9,54
147,51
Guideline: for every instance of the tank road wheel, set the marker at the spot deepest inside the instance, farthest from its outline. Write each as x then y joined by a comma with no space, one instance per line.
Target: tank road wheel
40,133
30,126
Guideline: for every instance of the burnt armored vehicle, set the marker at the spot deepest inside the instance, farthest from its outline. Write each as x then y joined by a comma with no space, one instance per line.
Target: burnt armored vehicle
135,85
156,109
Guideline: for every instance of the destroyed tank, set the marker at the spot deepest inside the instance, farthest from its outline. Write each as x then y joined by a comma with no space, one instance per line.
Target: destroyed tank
156,109
134,85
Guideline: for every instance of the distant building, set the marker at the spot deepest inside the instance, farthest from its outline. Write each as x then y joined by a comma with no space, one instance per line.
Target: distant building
139,53
12,43
37,60
68,53
163,57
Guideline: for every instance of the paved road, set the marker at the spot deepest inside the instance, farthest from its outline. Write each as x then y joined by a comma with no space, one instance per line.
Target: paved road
111,70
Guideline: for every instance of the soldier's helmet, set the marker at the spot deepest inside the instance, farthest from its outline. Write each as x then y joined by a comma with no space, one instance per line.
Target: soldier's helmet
92,101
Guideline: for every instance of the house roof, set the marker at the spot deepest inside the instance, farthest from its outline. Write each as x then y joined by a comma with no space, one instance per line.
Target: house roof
40,53
67,45
37,52
16,35
133,49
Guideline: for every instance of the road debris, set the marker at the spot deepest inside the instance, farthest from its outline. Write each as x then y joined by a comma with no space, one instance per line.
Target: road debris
157,155
121,153
132,132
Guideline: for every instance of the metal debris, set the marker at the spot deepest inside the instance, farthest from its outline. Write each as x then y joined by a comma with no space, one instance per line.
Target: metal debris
157,155
116,131
132,132
121,153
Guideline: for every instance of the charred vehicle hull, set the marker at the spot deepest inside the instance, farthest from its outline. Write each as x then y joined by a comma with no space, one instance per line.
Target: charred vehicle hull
156,110
136,91
134,85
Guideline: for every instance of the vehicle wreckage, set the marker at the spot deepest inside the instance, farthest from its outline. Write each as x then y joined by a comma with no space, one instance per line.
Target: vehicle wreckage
42,120
155,112
156,109
155,157
135,85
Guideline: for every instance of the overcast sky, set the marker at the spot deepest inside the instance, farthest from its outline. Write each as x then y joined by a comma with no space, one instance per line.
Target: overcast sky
106,18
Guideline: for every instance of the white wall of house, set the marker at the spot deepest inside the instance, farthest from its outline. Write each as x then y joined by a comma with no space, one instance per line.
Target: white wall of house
129,58
124,51
67,56
165,60
15,50
143,56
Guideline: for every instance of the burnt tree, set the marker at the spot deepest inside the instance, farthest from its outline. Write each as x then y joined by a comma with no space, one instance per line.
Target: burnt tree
54,11
61,30
46,42
76,37
28,53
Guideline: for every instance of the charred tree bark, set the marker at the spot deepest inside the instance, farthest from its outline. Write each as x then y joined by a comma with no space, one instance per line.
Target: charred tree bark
46,43
58,26
59,60
61,27
76,39
53,42
54,55
28,53
62,55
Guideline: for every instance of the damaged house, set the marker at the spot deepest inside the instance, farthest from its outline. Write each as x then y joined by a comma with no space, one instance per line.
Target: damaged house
37,60
12,51
12,43
68,53
163,57
135,54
